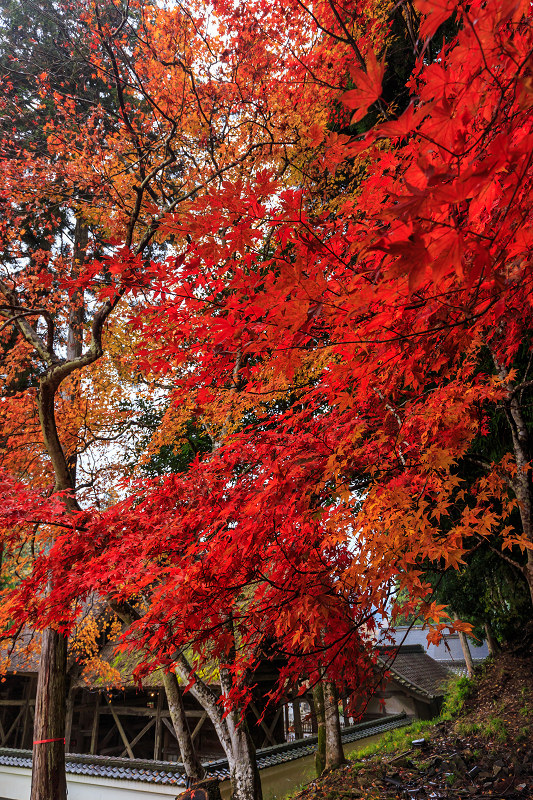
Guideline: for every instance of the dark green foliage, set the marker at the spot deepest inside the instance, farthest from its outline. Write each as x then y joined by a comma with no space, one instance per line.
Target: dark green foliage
486,590
174,458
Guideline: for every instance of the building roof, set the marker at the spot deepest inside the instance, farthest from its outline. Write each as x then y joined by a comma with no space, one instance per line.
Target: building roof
415,670
171,774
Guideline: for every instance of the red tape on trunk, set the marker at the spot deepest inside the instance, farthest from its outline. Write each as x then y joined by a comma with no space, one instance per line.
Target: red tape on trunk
43,741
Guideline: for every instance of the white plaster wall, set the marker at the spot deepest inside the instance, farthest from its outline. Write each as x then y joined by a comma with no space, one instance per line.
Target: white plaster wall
440,652
394,704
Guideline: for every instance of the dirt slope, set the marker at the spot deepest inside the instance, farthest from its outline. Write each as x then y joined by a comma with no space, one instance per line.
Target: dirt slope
485,753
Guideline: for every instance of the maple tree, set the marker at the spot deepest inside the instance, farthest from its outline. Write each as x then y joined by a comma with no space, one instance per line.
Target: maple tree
139,146
343,313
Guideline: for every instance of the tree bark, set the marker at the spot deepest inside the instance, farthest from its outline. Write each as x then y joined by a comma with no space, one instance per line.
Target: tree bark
191,762
492,644
76,318
522,482
466,652
48,769
244,775
232,733
334,752
245,780
48,772
320,755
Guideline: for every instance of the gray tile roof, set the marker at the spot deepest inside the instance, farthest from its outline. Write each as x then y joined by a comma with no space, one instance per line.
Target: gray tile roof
169,774
414,669
159,772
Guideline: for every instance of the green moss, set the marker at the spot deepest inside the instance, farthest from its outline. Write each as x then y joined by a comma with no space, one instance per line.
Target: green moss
524,734
496,728
458,690
397,739
467,728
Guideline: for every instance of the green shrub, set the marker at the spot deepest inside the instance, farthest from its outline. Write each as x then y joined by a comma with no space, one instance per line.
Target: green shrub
458,690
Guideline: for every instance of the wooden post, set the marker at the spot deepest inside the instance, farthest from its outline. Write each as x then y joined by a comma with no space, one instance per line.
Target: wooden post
345,715
312,709
298,730
96,722
158,727
198,726
120,729
13,727
68,723
27,716
286,720
269,738
140,735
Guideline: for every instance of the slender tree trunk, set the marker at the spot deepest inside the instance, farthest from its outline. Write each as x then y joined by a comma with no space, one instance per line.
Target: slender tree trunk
244,775
528,572
48,772
334,752
245,780
492,644
466,652
232,733
320,755
522,482
48,768
189,757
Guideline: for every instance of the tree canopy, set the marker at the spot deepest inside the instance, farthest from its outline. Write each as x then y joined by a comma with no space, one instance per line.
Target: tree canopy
309,238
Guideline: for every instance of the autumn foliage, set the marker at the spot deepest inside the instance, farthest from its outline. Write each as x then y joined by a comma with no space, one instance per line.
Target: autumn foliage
330,280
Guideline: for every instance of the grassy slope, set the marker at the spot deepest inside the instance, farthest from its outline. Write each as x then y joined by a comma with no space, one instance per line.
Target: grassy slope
481,746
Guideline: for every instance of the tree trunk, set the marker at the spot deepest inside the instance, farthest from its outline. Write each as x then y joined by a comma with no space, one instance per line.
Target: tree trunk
48,773
466,652
522,483
334,751
48,770
320,755
191,762
75,322
244,775
492,644
234,737
528,572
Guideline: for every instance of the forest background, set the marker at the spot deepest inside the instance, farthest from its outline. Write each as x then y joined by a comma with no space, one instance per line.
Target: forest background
266,361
